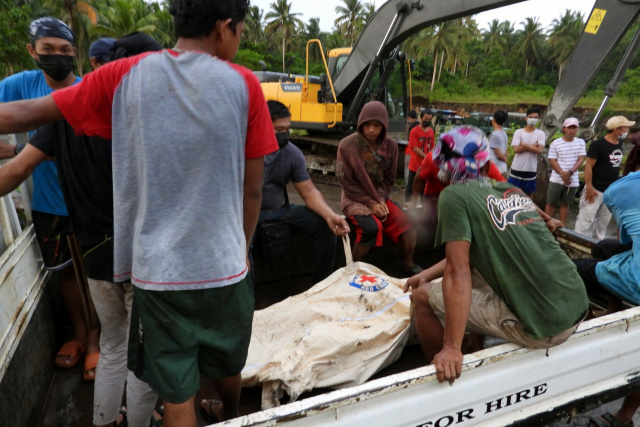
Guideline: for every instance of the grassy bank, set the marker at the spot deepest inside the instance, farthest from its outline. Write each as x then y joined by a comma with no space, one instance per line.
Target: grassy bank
539,95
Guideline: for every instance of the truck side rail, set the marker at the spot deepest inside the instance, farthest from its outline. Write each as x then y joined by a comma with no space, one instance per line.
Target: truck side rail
22,274
503,385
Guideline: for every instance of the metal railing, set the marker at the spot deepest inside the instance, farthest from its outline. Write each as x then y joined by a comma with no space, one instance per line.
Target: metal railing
10,225
22,274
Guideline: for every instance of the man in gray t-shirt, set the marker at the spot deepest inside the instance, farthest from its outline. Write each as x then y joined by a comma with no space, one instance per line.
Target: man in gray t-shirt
315,218
498,142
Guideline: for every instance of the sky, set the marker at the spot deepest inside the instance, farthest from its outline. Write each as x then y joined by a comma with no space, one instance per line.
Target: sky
547,10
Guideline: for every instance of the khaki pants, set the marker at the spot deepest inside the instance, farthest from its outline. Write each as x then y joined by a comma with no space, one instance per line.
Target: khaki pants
489,315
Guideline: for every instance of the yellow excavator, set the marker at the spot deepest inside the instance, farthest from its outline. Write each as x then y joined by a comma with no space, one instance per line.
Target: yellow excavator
330,103
327,106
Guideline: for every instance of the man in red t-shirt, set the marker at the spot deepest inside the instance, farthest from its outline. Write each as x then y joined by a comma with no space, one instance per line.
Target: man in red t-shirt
421,141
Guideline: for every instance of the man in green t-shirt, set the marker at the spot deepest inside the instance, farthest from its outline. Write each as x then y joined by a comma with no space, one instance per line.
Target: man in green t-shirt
522,286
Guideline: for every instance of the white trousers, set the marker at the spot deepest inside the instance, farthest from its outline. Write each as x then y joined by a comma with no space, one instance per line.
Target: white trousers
113,306
593,218
406,168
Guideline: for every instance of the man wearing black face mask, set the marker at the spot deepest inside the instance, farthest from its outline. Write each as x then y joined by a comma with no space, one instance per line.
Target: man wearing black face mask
52,47
316,219
421,141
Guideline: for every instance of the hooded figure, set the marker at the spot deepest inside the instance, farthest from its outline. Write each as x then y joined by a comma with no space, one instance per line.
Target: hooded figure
367,168
366,177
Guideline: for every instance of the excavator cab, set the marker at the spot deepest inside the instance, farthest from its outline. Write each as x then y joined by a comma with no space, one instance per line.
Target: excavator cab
313,102
337,58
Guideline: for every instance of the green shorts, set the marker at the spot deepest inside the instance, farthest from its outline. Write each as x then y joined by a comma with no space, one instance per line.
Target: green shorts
176,335
560,193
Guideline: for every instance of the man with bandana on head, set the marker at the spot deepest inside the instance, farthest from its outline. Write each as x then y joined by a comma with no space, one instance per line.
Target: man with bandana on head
504,274
85,171
52,47
316,218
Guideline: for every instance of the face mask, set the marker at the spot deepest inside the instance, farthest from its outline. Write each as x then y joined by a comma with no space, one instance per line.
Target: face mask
532,122
57,67
624,135
282,138
426,124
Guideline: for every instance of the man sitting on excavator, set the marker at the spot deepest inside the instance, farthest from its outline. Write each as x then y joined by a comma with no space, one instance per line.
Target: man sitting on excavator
522,286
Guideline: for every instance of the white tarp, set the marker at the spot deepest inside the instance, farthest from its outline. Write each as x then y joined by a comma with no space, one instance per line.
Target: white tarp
337,334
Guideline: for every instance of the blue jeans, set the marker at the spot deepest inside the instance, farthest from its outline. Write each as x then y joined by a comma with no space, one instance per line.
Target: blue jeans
306,223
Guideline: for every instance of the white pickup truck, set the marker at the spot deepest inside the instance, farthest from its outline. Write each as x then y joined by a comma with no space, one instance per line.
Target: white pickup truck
499,386
502,385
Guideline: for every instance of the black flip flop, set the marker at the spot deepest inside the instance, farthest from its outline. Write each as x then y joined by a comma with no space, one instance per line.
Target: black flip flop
210,418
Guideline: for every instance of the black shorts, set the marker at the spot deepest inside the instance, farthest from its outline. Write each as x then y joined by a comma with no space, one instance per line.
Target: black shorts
52,232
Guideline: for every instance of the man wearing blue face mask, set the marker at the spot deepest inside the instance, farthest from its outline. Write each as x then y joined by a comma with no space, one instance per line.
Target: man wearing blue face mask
527,143
316,218
52,46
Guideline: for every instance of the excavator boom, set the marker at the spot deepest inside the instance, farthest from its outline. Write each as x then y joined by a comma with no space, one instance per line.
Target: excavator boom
606,26
394,22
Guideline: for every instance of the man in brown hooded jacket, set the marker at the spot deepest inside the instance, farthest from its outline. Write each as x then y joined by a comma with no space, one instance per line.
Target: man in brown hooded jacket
367,163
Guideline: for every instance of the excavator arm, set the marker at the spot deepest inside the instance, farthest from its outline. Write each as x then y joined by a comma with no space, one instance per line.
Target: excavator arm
394,22
607,24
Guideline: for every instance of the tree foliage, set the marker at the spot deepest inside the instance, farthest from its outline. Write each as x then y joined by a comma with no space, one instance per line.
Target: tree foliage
14,30
452,58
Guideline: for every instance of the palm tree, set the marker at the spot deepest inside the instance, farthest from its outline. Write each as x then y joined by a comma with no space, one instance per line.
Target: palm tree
164,25
334,40
530,41
122,17
349,18
494,37
253,30
312,31
80,17
508,31
14,30
442,42
415,46
466,29
564,32
368,9
283,21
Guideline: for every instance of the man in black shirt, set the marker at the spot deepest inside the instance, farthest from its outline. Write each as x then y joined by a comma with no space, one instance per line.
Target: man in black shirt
84,168
604,158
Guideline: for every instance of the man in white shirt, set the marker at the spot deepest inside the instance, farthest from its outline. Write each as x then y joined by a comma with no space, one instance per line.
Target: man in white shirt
527,143
498,142
566,155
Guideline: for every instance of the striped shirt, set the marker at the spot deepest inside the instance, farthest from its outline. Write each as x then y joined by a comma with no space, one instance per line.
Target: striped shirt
566,153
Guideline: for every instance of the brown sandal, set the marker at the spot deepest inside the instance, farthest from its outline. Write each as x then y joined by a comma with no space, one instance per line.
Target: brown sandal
72,350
